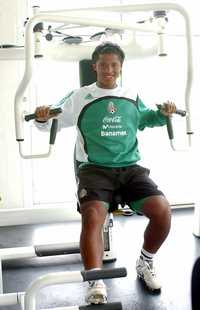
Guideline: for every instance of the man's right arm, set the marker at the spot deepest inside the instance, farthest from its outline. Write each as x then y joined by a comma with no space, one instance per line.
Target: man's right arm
44,114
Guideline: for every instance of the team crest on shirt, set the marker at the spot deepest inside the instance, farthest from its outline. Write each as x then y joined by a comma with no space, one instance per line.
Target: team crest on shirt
112,107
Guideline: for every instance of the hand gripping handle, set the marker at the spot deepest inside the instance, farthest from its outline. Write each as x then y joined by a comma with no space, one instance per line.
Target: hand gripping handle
29,117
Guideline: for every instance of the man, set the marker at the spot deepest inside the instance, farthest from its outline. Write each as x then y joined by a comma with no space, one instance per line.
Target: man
107,117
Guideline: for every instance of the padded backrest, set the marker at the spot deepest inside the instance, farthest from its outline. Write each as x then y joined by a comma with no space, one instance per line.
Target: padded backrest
87,75
195,285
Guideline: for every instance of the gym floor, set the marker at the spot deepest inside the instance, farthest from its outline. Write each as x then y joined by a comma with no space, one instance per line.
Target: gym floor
174,263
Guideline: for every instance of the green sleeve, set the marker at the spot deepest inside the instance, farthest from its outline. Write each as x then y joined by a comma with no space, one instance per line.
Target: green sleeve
148,117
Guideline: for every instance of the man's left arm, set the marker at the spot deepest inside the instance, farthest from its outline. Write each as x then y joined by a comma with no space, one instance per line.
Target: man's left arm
155,118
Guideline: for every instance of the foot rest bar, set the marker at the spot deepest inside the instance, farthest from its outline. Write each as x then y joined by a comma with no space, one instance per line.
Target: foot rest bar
104,274
10,299
109,306
66,277
57,249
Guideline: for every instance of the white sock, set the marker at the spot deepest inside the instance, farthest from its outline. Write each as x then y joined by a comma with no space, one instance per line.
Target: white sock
146,255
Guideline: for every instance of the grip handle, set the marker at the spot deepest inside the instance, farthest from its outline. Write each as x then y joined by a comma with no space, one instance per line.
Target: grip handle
178,111
170,128
29,117
53,131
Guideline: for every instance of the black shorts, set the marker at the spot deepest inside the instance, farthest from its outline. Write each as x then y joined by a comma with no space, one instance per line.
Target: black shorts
131,183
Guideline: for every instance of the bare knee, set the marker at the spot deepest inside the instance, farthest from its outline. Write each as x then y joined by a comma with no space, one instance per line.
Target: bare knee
93,214
157,208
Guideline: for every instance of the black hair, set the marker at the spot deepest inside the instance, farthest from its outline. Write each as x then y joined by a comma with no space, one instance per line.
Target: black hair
108,48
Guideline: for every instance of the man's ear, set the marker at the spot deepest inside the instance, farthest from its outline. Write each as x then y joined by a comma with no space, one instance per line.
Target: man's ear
94,67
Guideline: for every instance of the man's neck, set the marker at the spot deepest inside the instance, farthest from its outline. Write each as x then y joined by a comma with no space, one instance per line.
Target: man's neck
106,86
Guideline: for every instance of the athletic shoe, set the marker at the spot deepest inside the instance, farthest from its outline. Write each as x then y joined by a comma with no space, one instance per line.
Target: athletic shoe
146,272
96,293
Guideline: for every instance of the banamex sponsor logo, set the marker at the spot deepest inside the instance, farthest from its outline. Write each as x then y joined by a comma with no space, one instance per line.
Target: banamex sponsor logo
113,133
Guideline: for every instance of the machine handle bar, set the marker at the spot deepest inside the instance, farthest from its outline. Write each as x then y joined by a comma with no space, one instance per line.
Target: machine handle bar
29,117
178,111
109,306
104,274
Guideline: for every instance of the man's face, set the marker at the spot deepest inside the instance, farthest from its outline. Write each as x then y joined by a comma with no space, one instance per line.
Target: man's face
108,68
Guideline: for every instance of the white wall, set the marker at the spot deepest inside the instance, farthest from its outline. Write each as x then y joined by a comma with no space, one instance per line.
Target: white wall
12,16
11,183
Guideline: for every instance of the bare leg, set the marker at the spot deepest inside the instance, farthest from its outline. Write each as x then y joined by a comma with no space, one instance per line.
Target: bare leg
91,242
158,211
